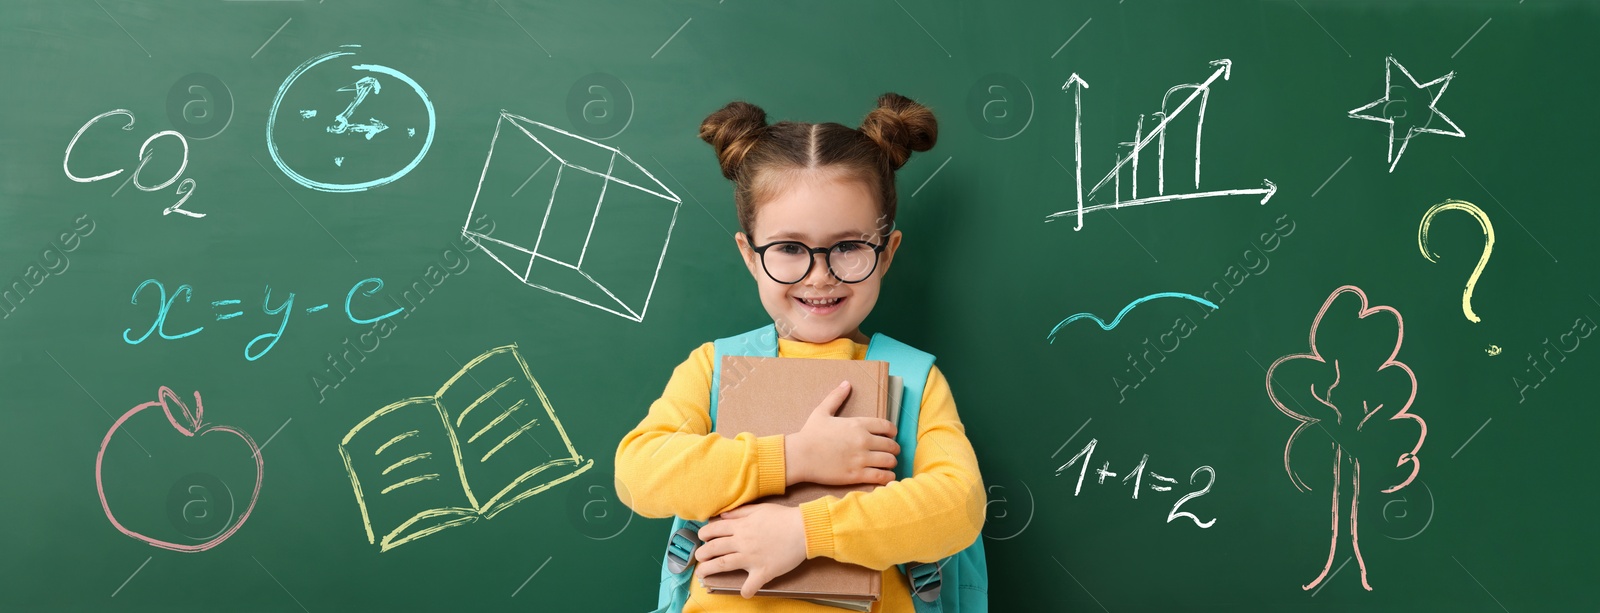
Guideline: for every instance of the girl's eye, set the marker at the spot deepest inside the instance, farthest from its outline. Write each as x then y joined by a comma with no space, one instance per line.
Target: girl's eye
847,247
790,249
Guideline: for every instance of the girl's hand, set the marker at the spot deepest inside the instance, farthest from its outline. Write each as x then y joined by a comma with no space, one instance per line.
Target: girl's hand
834,450
766,540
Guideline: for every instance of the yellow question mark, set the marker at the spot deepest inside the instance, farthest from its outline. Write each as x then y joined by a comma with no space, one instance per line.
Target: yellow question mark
1488,245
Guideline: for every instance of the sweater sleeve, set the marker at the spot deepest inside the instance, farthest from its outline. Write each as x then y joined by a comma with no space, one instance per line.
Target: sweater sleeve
935,513
673,464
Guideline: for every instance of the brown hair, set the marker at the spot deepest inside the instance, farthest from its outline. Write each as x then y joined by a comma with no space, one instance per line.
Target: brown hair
757,156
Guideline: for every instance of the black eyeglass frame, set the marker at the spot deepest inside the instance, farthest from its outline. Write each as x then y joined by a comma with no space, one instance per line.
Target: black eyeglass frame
811,259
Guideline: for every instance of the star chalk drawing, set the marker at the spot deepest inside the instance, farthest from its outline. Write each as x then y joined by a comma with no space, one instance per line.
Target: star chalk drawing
1388,74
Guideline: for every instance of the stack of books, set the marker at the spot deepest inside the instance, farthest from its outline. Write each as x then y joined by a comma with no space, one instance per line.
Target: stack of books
767,396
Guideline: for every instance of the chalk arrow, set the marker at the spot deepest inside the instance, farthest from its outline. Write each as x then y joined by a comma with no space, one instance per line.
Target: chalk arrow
1224,69
1077,137
1227,67
1266,194
362,87
372,128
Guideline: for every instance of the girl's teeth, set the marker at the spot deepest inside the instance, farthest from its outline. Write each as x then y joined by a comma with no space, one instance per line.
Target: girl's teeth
823,302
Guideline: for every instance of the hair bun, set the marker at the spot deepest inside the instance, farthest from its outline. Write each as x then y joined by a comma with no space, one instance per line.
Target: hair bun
899,126
733,131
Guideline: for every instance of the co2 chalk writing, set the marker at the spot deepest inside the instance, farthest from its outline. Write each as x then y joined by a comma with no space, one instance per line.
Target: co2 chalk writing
228,309
185,188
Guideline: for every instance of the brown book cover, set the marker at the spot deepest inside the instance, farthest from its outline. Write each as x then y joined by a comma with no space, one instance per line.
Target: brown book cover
766,396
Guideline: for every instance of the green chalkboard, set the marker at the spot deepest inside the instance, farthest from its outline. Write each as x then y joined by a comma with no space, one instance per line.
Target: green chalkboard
311,224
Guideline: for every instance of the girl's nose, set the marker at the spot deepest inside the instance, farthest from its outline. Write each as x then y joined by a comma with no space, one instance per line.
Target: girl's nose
819,275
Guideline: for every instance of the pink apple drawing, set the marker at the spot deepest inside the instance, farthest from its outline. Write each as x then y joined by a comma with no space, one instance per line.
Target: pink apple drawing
190,424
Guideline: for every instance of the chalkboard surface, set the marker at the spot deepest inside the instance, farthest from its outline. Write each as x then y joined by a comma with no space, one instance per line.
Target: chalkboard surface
275,337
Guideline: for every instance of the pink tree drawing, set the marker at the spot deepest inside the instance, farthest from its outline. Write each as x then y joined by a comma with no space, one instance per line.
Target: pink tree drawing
1353,392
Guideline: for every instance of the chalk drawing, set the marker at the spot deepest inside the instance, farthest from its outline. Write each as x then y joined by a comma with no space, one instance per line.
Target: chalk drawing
364,86
1389,64
1483,260
440,446
605,188
190,424
1118,319
1197,91
1326,400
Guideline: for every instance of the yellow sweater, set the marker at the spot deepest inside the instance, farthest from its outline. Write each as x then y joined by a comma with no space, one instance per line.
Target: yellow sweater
673,464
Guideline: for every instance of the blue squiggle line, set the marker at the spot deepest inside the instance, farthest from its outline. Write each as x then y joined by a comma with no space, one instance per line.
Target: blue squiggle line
1118,319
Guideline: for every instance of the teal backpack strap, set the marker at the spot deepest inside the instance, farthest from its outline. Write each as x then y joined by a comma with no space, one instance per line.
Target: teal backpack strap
912,366
677,567
958,583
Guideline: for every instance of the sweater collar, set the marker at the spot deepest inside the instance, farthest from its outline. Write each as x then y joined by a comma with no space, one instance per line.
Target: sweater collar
842,348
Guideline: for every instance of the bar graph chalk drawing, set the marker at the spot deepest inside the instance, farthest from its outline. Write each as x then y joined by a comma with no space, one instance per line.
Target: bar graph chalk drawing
414,464
308,155
1118,319
603,216
188,423
1367,388
1483,260
1381,104
1141,140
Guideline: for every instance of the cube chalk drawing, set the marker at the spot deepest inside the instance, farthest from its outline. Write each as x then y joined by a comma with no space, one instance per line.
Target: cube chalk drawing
486,440
574,217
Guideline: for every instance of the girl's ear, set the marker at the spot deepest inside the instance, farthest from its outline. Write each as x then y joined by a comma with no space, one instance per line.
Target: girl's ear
889,249
747,253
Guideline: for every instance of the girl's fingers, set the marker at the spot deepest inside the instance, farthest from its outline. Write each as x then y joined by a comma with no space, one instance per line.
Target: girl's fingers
715,529
713,548
719,564
830,404
752,583
880,427
880,477
879,443
881,459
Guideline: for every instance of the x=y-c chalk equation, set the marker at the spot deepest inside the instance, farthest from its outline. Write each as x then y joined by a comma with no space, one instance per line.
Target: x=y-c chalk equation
228,309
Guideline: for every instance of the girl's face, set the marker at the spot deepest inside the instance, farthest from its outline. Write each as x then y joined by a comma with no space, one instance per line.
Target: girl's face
818,208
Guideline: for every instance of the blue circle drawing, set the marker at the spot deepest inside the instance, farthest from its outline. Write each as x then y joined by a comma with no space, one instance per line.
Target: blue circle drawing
272,118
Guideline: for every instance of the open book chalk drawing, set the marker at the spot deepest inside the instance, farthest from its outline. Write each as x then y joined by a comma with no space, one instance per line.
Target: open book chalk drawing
1141,139
1118,319
1384,116
424,464
595,241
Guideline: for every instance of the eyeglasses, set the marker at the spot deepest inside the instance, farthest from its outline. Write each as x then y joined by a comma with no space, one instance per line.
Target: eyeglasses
788,262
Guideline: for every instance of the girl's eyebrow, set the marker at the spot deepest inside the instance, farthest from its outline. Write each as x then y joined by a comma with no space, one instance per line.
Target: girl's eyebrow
841,235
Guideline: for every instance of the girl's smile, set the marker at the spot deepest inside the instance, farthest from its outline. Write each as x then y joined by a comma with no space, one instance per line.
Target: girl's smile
820,306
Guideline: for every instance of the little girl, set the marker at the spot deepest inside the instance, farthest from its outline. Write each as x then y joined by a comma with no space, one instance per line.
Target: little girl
816,203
